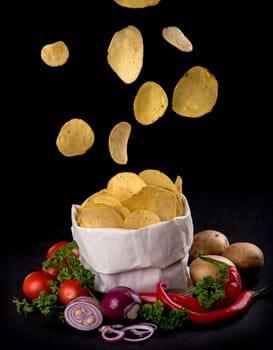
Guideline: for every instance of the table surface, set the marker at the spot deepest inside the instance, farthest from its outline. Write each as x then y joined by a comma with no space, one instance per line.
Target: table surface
224,158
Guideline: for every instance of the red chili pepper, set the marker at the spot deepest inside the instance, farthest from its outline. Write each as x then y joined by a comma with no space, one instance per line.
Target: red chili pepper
239,306
186,301
165,298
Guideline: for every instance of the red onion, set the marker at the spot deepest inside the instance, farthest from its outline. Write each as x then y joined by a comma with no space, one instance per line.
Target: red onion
121,302
83,313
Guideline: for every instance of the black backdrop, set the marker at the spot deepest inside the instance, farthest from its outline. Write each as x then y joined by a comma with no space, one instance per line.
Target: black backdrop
223,157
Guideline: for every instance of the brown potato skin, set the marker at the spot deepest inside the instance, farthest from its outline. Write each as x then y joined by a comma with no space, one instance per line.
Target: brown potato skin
245,255
199,268
209,242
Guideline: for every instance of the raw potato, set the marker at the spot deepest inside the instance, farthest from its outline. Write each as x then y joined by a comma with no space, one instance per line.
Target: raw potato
199,268
245,255
209,242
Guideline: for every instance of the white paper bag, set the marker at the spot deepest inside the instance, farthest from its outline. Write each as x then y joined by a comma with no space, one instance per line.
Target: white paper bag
137,258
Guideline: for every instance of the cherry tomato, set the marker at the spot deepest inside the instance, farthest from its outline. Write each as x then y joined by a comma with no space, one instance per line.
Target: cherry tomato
54,271
51,251
70,289
35,282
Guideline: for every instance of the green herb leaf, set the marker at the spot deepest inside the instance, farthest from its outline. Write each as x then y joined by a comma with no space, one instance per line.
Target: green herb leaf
165,319
209,290
23,307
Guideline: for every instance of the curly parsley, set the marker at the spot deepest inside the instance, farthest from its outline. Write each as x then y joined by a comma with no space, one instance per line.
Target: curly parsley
164,318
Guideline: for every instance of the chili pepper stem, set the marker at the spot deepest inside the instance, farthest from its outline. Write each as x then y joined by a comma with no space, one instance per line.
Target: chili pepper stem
262,290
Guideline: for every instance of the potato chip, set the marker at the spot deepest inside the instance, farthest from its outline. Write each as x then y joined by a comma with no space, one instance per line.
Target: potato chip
179,183
158,178
91,197
174,36
140,218
55,54
75,138
137,4
196,93
124,184
150,103
118,142
156,199
103,197
125,53
97,215
180,206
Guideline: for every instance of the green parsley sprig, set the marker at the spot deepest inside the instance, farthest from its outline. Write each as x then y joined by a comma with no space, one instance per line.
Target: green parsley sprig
164,318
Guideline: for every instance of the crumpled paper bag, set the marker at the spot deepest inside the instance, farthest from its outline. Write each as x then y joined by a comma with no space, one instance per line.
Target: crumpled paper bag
137,258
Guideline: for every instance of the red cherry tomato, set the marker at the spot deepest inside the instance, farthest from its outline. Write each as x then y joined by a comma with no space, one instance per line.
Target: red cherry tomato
35,282
57,245
70,289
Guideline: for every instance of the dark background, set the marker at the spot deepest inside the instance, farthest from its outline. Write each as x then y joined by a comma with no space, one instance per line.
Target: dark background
224,157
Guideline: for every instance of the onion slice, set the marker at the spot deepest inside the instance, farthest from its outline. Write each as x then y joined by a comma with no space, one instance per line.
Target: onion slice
133,333
138,332
83,314
111,334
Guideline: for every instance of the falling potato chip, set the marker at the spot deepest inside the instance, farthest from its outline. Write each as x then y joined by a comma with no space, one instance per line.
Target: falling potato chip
134,4
174,36
124,184
150,103
140,218
158,178
196,93
75,138
125,53
55,54
99,215
118,142
156,199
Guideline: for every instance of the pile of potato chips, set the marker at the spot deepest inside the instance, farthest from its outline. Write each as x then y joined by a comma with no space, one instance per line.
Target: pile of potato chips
132,201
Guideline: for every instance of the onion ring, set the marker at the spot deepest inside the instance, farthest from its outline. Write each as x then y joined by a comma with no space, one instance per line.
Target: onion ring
143,331
117,332
112,335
